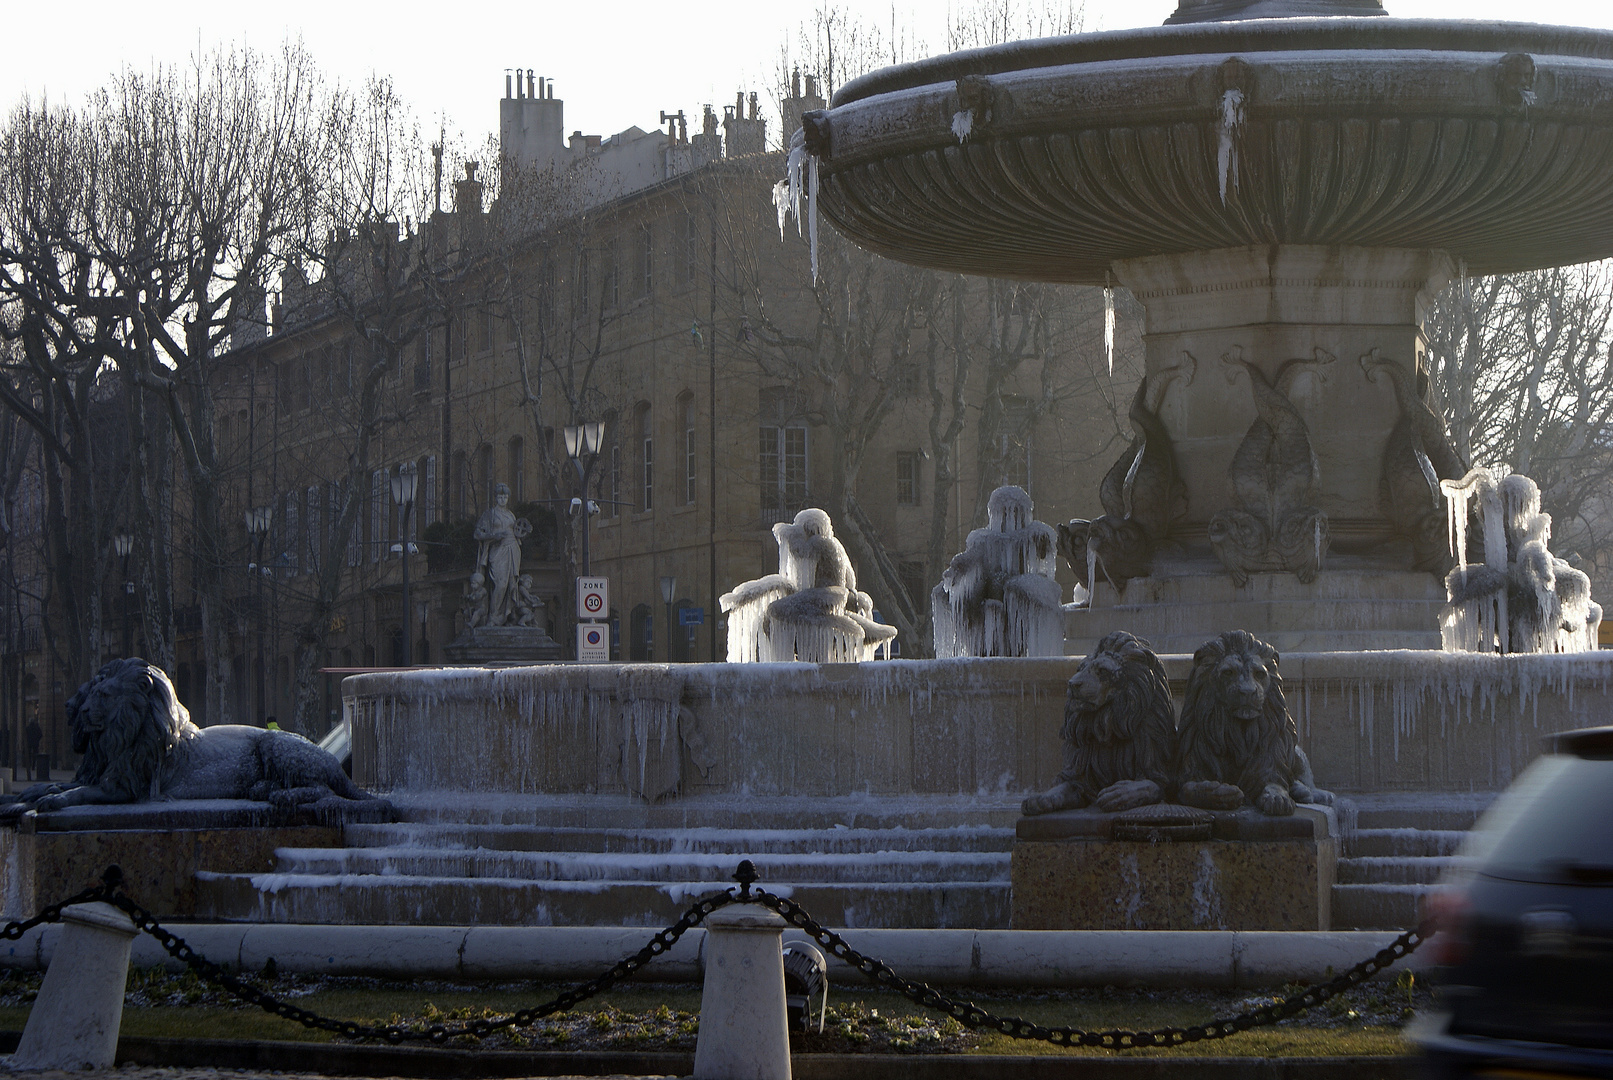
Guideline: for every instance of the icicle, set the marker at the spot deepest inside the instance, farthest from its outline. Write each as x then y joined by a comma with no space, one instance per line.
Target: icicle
1495,528
1109,322
1230,126
1092,572
812,213
781,203
962,122
792,174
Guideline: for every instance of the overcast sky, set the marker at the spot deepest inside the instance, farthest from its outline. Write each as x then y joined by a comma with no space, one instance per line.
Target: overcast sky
615,63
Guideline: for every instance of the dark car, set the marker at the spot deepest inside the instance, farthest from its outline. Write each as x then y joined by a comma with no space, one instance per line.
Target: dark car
1524,948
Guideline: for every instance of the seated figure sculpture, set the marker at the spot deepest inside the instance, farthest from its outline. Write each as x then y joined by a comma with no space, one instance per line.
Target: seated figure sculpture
139,745
1237,742
1119,732
998,596
811,609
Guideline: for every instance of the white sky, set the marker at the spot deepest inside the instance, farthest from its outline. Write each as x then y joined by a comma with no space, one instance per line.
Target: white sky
615,63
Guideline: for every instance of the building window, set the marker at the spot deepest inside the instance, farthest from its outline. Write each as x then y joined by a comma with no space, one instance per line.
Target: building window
907,478
646,250
315,537
911,572
517,470
686,409
483,323
646,447
1014,444
614,477
460,482
784,472
427,504
422,362
582,298
613,273
641,633
484,460
377,515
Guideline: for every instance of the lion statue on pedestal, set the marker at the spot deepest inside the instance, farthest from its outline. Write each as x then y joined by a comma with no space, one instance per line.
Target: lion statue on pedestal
1237,742
1119,734
139,745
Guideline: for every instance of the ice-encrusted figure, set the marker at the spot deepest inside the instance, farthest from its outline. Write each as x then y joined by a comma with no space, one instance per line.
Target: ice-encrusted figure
810,610
1521,598
998,596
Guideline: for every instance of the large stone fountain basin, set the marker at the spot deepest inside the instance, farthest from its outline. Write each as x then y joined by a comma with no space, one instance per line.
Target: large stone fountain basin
1369,132
1371,721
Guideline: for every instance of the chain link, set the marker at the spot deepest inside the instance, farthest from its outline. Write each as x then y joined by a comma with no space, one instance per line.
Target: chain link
966,1013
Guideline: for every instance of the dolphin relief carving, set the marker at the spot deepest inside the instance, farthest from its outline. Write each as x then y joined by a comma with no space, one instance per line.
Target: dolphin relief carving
1273,476
1142,494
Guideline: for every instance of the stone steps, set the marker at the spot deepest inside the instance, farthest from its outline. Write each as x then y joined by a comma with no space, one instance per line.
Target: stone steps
687,841
584,866
1396,847
579,861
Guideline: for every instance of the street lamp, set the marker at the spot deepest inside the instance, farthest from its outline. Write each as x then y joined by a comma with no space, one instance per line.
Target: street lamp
123,543
257,526
583,441
404,482
669,586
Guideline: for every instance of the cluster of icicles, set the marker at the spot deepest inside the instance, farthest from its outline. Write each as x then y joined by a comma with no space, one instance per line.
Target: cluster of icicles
998,597
1521,598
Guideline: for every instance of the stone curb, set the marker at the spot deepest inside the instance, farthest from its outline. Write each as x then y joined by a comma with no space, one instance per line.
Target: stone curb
431,1063
1051,958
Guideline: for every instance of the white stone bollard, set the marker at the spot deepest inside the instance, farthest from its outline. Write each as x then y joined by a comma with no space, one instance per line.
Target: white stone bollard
744,1034
74,1021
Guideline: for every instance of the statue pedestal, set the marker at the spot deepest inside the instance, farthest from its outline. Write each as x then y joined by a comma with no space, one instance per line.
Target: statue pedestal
1254,873
503,645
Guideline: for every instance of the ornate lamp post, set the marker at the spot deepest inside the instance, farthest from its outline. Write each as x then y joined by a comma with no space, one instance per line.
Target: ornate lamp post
582,442
669,588
404,483
258,520
123,543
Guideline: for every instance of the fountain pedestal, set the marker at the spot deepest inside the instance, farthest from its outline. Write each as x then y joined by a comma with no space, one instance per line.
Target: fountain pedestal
1253,873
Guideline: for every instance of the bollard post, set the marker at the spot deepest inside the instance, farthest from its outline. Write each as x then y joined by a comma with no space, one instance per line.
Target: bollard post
744,1034
74,1021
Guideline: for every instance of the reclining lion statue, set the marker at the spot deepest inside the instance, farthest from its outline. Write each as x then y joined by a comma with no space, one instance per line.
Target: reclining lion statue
139,745
1119,733
1237,742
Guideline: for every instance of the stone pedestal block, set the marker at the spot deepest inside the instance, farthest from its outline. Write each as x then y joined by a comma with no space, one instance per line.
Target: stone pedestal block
1255,873
503,645
75,1019
744,1033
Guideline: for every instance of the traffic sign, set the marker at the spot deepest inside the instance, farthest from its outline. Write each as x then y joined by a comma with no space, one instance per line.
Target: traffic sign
593,643
593,598
692,616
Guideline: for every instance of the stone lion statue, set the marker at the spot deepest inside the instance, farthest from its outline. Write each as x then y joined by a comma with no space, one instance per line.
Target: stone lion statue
139,744
1119,731
1237,742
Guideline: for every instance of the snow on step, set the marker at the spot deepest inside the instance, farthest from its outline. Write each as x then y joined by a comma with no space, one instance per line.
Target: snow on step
606,867
1394,869
1403,842
691,840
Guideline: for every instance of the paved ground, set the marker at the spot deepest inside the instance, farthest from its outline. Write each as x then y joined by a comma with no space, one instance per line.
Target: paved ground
140,1072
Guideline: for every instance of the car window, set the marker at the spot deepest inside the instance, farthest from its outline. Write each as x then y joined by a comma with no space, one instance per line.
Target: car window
1554,824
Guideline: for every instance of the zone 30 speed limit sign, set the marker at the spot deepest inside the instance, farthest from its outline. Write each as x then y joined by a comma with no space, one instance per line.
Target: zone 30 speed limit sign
593,598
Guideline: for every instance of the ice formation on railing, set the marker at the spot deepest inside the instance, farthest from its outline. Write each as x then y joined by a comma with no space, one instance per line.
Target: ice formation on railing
998,596
1521,598
810,610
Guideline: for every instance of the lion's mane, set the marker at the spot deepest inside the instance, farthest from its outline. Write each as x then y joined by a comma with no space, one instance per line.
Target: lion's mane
1213,744
1132,736
125,721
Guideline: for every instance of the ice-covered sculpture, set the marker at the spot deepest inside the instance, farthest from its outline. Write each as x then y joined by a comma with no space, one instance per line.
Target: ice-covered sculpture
1521,598
810,610
998,597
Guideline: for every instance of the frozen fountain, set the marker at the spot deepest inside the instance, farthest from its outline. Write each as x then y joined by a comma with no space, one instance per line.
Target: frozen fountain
998,596
1283,195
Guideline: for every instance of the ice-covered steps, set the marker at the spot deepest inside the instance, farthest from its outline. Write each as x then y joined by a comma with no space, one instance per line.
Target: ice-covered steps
832,840
586,866
576,860
1396,846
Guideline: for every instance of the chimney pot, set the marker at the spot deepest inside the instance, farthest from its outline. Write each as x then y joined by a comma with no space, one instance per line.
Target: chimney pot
529,88
506,82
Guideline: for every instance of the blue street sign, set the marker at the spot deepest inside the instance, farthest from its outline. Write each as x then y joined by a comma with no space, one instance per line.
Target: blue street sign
692,616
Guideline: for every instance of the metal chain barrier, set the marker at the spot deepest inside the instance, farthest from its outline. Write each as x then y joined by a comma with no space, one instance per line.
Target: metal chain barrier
966,1013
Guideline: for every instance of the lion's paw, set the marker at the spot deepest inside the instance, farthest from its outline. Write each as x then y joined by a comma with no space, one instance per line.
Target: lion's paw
1062,797
1127,794
1315,795
1275,802
1211,795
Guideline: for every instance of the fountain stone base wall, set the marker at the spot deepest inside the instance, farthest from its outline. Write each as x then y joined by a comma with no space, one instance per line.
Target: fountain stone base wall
1370,721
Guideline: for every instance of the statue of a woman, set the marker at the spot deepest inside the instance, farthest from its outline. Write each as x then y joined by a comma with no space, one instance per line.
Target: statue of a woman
499,554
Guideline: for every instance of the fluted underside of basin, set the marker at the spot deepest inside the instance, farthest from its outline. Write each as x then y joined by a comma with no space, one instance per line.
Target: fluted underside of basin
1492,143
1500,195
